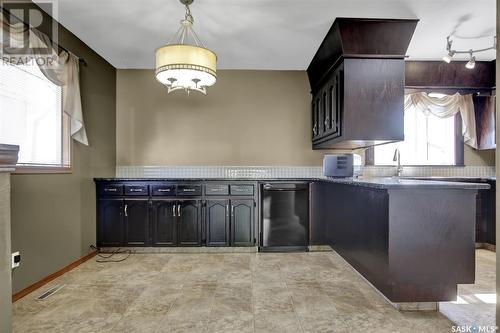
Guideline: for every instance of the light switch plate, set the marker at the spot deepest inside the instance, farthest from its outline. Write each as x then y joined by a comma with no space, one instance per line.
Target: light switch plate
16,259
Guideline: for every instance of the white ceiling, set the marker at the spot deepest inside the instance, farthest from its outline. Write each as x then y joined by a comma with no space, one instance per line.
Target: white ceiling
266,34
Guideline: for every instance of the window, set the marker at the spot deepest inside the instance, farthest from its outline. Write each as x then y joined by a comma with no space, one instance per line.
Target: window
31,116
429,140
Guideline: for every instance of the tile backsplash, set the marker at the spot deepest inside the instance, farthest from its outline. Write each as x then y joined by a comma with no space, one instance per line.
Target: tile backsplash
218,172
291,171
429,171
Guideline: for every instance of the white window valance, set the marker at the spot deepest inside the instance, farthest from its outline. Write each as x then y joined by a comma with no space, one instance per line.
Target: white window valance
447,106
62,71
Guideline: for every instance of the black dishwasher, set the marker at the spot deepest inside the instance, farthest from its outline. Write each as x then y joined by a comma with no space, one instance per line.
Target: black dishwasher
285,217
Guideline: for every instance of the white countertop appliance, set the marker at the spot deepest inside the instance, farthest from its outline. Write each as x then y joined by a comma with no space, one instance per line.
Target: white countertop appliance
341,165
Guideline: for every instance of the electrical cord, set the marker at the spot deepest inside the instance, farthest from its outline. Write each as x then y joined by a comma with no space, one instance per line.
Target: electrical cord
106,258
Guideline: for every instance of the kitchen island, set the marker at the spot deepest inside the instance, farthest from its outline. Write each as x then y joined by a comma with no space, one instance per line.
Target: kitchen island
414,240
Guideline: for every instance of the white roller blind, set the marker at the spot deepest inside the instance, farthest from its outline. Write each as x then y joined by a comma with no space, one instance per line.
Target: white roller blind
31,115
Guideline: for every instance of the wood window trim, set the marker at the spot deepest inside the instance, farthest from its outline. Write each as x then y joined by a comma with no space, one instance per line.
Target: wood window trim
67,154
27,170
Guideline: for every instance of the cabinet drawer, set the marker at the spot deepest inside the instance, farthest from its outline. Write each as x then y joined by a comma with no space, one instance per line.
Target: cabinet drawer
137,190
111,189
189,190
216,189
163,190
242,189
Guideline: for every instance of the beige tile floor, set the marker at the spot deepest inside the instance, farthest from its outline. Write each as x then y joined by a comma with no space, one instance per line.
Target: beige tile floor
476,304
251,292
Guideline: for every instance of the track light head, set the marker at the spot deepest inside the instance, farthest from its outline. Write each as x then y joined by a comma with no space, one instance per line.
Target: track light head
447,58
472,62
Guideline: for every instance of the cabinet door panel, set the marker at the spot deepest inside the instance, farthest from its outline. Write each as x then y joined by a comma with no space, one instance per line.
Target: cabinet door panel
242,222
136,222
189,217
316,116
217,222
110,222
324,119
164,228
339,106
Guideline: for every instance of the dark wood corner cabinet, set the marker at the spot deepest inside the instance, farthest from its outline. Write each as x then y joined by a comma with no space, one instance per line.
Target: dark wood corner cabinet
357,83
143,213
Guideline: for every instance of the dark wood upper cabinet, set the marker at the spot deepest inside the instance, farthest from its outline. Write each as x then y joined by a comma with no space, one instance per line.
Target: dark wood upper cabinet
357,82
217,222
189,216
164,223
110,230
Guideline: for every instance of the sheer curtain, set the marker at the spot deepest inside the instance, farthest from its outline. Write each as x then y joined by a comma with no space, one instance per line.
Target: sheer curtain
448,106
62,69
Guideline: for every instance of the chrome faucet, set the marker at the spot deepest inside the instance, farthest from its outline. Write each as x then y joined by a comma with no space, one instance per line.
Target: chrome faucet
397,157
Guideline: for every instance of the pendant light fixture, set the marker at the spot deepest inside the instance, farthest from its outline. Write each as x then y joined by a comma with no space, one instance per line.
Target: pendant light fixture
184,65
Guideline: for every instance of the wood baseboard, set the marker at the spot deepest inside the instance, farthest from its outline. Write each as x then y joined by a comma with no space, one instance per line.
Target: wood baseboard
20,294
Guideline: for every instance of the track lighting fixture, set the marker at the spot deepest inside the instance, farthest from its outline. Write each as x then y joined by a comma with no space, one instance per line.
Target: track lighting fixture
472,59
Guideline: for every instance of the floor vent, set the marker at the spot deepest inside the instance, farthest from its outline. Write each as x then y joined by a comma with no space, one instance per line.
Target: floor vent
49,293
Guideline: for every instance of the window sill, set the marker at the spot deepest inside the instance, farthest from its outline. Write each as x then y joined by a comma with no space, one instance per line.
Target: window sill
24,170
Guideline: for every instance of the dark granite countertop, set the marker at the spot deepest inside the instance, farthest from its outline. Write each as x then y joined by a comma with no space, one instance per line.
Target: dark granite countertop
202,179
405,183
376,182
455,179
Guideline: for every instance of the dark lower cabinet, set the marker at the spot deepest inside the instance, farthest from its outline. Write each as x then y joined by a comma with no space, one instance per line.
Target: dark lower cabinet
242,222
485,215
189,217
110,222
136,227
164,223
217,222
158,214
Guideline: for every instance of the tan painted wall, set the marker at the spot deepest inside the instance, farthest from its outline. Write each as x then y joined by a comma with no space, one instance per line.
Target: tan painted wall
247,118
478,157
5,247
53,215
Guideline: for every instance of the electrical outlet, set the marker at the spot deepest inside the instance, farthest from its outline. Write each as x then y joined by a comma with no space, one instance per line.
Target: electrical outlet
16,259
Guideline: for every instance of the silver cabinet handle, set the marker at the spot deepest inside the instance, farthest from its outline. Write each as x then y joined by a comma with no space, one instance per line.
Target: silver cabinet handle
326,122
315,131
179,210
227,210
232,210
173,210
164,190
110,190
334,124
126,210
136,190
